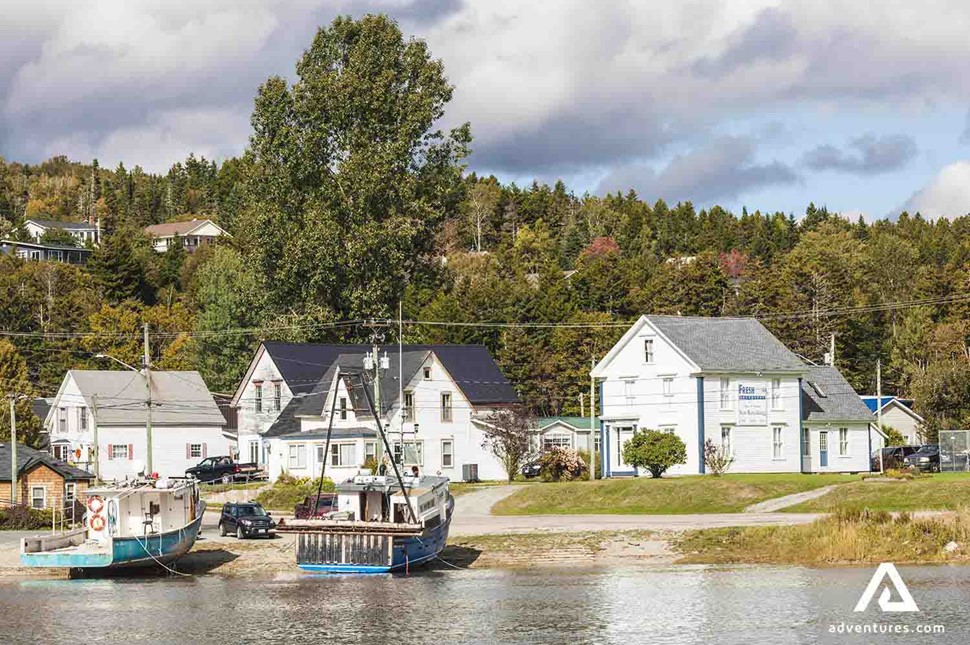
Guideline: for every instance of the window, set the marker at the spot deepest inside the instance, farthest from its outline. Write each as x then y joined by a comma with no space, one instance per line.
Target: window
62,419
343,454
38,497
413,453
254,451
370,450
427,374
556,440
725,394
408,405
195,450
82,414
628,391
447,453
277,396
726,440
342,405
843,441
446,406
596,442
806,443
118,451
61,452
776,394
777,448
647,350
259,396
70,491
669,429
668,387
297,455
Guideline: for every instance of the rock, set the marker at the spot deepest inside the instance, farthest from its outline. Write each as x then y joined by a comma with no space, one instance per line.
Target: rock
951,546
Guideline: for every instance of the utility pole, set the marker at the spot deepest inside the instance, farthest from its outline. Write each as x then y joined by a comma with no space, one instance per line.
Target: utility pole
592,420
13,450
147,364
879,405
96,453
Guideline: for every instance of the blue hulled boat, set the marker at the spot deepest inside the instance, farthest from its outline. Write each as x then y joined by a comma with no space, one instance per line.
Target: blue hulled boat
381,524
145,524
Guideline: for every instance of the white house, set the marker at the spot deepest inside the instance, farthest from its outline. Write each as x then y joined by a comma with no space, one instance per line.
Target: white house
724,379
568,432
284,411
193,234
899,414
83,231
187,425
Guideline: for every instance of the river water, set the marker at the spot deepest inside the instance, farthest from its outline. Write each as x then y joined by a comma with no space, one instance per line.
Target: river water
676,604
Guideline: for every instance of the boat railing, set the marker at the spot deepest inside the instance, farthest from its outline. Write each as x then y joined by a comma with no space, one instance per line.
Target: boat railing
349,526
358,549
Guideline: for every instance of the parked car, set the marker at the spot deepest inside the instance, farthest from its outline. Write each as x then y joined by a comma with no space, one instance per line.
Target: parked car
892,457
224,469
246,520
927,458
305,509
531,469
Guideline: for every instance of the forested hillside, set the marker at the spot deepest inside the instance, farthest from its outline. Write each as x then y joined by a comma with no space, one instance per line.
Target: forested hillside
349,200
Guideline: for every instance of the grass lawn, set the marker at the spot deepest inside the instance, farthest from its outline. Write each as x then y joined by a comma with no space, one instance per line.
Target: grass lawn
460,488
674,495
942,491
848,537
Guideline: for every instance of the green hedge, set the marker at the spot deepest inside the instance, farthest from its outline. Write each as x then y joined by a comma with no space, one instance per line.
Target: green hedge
23,518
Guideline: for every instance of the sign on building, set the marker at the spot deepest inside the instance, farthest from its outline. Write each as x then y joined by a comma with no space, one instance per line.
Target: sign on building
752,403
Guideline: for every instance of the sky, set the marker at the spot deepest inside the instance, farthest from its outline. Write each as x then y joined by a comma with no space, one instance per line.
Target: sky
862,107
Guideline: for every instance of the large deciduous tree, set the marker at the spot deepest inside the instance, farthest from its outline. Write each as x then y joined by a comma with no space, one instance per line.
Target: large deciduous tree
14,383
349,175
509,435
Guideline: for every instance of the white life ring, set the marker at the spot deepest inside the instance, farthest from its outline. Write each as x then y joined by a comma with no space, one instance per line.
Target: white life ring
95,504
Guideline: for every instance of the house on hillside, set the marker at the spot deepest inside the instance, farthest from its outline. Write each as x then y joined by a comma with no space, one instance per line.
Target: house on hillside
42,481
285,401
83,231
187,425
898,413
46,252
728,380
192,233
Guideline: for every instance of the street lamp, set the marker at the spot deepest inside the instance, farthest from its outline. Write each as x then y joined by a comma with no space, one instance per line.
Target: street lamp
13,445
147,373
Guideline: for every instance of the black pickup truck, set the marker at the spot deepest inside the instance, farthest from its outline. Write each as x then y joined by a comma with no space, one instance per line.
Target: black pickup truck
223,469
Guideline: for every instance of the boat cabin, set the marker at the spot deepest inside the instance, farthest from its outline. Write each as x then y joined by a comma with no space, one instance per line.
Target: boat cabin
147,510
376,498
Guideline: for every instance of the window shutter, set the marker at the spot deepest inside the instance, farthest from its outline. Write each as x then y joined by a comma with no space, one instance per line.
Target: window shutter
205,450
131,451
188,451
110,451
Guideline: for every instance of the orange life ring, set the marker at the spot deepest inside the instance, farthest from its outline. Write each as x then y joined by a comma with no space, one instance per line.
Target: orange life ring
95,504
96,523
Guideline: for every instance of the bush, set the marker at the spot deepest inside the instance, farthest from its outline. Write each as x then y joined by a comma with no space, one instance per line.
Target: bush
561,464
716,458
288,491
370,464
655,451
24,518
591,472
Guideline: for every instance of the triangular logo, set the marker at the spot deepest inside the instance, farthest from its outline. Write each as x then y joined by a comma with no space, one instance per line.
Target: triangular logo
905,603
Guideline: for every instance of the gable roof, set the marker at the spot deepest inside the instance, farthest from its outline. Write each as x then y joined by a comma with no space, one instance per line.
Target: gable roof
827,396
872,402
309,370
67,226
168,229
27,458
179,398
727,344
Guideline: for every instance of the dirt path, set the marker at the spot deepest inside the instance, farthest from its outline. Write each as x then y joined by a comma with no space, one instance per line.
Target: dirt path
778,503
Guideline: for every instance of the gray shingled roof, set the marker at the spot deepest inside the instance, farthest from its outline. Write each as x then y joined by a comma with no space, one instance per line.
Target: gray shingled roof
27,458
827,396
67,226
727,344
179,398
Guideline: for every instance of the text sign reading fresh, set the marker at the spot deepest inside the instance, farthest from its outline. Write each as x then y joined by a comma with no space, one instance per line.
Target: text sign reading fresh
752,403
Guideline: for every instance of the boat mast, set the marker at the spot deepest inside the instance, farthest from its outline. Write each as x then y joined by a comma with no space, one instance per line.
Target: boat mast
326,448
380,431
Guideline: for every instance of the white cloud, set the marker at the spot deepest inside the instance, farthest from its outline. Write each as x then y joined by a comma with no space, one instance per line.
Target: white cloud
947,195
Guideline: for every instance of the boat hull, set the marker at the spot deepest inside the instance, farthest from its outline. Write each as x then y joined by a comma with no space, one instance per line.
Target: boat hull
406,552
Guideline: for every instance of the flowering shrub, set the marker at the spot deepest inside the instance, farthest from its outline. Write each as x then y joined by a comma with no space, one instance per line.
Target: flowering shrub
561,464
716,458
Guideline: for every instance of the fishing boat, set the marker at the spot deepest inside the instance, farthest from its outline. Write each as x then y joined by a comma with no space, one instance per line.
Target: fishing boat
381,524
138,524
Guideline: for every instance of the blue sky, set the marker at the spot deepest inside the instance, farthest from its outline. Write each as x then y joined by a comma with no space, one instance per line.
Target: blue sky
767,104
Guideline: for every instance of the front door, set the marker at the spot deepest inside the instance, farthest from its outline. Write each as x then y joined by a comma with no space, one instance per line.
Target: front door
621,434
823,449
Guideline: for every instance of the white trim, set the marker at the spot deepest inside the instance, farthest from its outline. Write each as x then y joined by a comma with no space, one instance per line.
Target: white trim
633,332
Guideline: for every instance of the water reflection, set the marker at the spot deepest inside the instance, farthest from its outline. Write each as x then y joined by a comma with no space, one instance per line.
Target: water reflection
660,605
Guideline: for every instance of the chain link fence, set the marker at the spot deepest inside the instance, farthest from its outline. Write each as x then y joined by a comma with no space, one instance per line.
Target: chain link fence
954,450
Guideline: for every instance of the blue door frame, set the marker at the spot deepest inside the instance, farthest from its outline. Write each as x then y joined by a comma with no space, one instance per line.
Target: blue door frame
823,449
